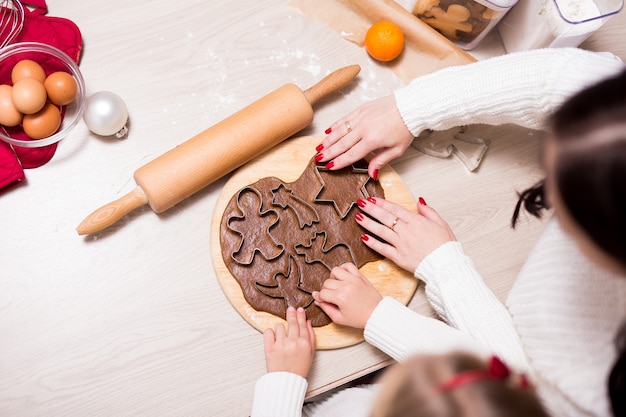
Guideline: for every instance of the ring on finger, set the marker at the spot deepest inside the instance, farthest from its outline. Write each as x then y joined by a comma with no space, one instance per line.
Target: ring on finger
348,127
395,222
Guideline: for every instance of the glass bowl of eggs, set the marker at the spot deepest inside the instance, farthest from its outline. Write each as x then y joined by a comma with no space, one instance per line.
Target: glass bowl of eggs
42,94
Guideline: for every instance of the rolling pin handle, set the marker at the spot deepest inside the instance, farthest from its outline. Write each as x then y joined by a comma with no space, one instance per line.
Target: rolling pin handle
108,214
332,82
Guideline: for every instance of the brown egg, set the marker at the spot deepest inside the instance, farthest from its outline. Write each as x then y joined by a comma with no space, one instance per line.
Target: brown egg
61,88
29,95
9,116
27,68
43,123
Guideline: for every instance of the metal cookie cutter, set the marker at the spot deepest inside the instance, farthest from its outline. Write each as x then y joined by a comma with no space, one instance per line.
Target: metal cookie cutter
470,150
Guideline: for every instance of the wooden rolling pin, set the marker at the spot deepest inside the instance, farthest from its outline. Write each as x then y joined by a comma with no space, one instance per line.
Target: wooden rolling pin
222,148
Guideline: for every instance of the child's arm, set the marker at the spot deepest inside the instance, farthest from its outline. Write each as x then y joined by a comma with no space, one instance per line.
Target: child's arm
349,299
288,356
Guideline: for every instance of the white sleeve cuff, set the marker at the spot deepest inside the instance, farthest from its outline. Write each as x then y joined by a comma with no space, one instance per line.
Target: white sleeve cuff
279,394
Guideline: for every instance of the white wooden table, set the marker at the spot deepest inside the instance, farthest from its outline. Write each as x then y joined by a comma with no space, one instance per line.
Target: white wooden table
132,321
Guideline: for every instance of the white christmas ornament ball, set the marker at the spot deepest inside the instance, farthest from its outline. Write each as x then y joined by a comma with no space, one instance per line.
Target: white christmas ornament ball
106,114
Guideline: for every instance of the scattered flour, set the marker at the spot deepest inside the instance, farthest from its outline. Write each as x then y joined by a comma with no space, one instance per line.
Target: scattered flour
567,17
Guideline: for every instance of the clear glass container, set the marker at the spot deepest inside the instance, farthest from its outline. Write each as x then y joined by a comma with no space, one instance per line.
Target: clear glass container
464,22
51,59
534,24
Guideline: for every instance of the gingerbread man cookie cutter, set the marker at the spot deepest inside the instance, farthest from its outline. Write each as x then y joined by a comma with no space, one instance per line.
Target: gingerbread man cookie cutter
268,253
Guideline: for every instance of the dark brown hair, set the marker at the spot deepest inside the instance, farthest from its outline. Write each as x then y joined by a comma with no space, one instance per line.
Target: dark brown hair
590,178
590,171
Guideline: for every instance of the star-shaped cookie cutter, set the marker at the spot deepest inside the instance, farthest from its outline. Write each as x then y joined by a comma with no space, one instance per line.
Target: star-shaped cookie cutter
363,188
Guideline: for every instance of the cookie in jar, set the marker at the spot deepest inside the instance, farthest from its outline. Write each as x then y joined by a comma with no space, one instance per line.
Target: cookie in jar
464,22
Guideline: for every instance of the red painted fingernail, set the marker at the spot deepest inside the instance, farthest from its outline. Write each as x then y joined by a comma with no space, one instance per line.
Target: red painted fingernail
422,201
361,203
319,147
330,165
375,175
371,200
365,238
327,131
358,216
523,381
319,157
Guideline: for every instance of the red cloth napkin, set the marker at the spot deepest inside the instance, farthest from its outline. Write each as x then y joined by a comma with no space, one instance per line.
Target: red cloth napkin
62,34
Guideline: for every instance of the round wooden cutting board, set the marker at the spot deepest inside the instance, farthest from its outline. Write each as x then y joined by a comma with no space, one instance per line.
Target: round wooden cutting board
287,161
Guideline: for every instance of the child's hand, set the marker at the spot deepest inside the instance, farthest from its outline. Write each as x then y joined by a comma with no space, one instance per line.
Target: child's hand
413,236
347,296
291,350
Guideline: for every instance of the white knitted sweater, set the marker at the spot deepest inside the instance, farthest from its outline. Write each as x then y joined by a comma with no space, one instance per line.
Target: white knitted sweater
562,312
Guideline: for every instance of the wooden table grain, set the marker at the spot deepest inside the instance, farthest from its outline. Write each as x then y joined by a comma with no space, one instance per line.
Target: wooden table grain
132,321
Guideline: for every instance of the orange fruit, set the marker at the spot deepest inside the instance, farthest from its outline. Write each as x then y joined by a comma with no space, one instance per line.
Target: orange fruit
384,41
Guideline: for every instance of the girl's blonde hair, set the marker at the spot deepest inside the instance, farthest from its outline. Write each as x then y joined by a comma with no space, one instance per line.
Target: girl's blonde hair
411,389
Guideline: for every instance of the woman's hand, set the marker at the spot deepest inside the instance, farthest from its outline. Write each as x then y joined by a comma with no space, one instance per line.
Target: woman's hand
373,127
347,296
401,235
291,350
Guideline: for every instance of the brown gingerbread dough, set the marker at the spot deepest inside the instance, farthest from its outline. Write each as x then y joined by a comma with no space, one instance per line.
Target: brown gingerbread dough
280,240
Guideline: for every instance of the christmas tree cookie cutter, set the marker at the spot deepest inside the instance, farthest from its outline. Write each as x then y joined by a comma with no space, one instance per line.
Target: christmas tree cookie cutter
470,150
